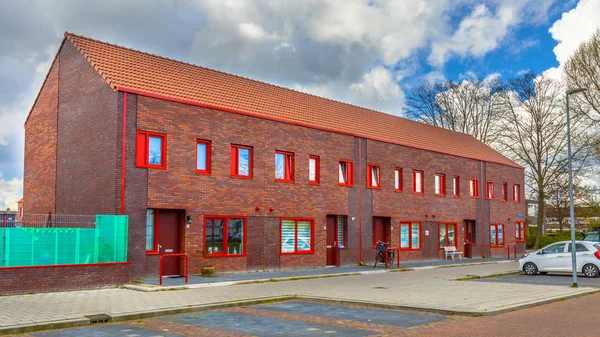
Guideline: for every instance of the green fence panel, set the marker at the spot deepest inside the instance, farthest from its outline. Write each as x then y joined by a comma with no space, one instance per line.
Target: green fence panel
105,243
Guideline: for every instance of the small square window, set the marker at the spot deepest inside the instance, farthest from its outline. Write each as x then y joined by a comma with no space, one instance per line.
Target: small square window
456,186
373,176
284,166
398,180
517,193
241,161
151,150
314,166
202,156
418,182
474,188
440,184
346,173
489,190
504,192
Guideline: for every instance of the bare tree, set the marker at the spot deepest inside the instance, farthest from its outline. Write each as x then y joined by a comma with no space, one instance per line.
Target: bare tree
468,107
558,200
582,70
534,134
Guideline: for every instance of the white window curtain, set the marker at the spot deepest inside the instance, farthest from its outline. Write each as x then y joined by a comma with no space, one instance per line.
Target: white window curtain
397,179
312,169
418,182
375,176
438,189
343,170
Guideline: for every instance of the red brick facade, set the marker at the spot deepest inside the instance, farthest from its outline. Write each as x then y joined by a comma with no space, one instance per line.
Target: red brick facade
88,177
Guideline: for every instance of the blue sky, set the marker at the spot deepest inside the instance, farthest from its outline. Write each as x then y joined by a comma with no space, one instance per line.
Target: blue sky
365,52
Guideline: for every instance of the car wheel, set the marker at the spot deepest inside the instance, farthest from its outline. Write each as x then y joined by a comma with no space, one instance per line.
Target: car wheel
590,270
530,268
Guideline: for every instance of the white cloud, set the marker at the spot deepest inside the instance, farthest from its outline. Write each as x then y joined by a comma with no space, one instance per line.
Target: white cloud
10,192
380,87
573,28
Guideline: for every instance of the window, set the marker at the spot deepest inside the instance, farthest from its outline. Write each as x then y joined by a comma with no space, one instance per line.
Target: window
489,190
516,193
521,232
410,235
456,186
151,230
297,236
241,161
497,235
284,166
418,182
225,236
504,192
346,173
398,179
202,156
474,188
579,247
314,176
342,231
447,235
556,248
373,176
440,184
151,150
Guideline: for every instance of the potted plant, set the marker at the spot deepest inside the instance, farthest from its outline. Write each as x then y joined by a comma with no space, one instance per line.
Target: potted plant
207,270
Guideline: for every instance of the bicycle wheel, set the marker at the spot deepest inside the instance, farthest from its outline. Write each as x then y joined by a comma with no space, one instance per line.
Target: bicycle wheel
391,257
378,258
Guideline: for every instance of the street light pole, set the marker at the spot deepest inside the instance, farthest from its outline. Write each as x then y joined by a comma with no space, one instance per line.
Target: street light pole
571,206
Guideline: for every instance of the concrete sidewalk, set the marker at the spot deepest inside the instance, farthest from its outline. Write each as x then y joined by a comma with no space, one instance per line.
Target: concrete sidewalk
433,289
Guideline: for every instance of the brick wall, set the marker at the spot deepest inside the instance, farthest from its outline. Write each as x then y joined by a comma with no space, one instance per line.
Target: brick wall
48,279
39,187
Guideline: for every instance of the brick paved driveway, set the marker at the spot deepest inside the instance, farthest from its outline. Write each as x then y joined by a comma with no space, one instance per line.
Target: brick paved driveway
305,318
547,280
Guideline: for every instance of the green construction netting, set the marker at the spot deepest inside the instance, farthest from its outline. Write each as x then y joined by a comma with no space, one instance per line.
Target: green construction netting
107,242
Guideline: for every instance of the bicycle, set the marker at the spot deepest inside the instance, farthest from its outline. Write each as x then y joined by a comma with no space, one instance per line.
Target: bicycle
380,257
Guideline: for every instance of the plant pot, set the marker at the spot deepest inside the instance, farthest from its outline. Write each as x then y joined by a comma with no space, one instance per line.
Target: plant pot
207,270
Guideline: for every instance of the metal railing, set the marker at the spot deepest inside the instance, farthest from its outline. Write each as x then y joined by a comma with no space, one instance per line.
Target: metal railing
51,221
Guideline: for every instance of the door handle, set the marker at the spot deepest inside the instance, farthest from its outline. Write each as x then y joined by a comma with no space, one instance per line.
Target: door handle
159,247
334,243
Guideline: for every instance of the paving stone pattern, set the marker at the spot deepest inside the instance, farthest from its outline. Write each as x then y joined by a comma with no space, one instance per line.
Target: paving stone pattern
112,330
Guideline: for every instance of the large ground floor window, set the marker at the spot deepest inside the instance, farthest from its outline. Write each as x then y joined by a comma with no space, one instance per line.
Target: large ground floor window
497,235
225,235
448,235
410,235
297,236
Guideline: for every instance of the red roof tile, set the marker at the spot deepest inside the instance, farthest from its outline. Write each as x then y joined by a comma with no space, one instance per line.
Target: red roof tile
132,70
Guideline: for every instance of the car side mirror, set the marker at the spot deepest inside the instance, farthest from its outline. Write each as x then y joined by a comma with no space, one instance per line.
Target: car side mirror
541,252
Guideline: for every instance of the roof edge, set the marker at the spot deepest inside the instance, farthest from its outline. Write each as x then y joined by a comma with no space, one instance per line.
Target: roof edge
94,65
307,125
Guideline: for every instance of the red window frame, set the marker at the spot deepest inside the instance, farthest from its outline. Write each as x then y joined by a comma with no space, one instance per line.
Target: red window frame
370,168
317,160
414,182
503,236
442,178
235,161
312,236
448,224
155,250
521,232
410,239
398,177
456,186
225,235
504,192
349,172
474,188
489,189
143,148
208,150
517,193
288,167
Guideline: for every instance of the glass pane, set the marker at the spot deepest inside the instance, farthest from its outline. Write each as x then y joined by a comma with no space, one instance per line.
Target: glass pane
155,151
418,186
437,185
304,235
500,235
404,235
442,235
454,186
201,159
375,176
342,173
214,236
243,162
312,169
288,236
397,179
493,235
522,227
451,241
415,236
279,166
471,188
235,236
340,231
150,229
517,233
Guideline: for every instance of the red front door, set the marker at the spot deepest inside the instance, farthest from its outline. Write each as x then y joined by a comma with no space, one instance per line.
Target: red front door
332,249
169,240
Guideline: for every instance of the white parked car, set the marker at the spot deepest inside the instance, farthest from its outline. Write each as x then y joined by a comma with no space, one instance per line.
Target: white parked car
556,258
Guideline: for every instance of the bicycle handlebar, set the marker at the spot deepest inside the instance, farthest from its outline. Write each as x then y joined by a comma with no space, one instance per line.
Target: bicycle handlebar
385,243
